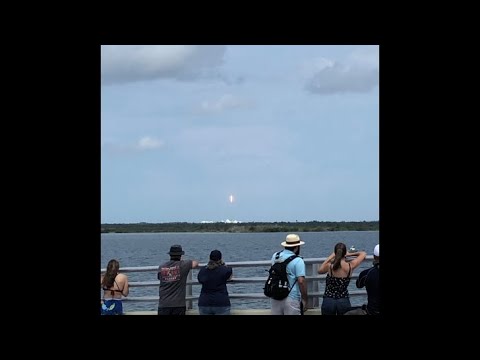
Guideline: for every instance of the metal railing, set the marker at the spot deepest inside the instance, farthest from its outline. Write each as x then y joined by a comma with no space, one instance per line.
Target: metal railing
314,282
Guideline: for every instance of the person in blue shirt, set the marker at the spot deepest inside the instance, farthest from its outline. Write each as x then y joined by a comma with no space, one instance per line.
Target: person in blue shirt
214,299
296,301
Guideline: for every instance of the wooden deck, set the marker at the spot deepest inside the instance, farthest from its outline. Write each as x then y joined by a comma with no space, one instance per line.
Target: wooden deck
233,312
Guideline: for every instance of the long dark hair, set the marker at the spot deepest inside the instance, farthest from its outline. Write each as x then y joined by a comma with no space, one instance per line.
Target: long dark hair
340,252
111,273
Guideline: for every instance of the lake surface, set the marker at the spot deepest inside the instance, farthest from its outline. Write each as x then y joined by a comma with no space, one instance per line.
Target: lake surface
150,249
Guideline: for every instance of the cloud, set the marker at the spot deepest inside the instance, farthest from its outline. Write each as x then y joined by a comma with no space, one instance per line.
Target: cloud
129,63
358,74
116,147
225,102
310,67
148,143
339,78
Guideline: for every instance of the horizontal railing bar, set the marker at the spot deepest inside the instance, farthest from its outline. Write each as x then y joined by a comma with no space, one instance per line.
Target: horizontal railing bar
238,296
232,264
252,279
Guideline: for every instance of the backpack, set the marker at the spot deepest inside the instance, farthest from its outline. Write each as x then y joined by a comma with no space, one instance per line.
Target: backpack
276,286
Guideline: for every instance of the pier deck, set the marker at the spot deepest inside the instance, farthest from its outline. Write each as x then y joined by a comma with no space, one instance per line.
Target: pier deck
232,312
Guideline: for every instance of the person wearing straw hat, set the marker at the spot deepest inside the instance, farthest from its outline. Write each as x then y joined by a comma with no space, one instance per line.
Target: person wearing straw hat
296,301
173,282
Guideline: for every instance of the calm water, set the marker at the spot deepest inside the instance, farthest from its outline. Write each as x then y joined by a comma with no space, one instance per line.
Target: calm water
151,249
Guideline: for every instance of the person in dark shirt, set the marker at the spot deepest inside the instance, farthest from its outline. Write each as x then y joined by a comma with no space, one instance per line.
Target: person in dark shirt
214,299
173,276
369,278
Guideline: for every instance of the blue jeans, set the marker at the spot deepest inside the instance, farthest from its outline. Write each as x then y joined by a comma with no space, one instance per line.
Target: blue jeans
331,306
214,310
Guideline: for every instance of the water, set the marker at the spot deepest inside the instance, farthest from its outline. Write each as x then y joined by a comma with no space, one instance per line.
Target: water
150,249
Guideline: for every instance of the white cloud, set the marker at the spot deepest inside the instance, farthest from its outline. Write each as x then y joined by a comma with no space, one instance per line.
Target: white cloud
358,73
310,67
225,102
115,147
129,63
148,143
338,78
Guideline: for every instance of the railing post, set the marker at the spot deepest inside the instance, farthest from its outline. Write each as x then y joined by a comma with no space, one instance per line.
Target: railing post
189,303
312,286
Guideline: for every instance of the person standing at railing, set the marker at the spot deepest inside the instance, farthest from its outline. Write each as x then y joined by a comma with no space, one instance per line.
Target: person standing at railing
214,299
369,278
296,301
173,282
336,300
114,286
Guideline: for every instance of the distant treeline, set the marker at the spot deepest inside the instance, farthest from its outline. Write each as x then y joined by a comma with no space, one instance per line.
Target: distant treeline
245,227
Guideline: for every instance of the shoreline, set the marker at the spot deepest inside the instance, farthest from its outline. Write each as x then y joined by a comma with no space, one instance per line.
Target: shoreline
246,227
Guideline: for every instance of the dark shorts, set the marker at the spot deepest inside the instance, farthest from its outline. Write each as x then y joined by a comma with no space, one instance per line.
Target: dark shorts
112,307
172,310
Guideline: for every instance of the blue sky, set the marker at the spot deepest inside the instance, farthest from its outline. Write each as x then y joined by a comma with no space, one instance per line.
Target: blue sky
292,132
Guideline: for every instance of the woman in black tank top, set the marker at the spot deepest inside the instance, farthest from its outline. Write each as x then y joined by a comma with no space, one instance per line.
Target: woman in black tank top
336,299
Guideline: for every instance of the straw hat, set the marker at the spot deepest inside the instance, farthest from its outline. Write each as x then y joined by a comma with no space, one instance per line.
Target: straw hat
292,240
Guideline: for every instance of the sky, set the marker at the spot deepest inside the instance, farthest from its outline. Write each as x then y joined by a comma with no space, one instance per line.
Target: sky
262,133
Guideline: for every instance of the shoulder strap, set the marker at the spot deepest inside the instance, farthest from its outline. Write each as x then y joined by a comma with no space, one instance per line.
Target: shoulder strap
292,285
349,270
117,286
287,260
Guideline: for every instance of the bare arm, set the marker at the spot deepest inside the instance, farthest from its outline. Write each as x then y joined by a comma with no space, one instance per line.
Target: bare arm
353,254
125,289
302,284
322,269
360,256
